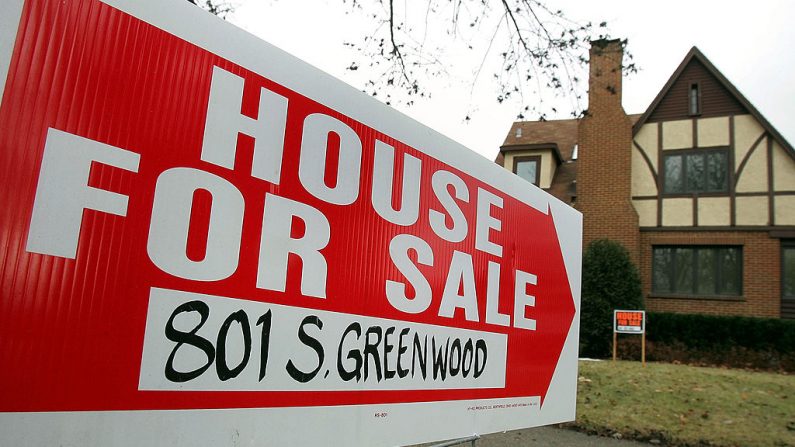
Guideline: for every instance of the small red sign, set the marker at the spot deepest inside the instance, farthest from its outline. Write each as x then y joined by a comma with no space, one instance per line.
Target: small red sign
629,321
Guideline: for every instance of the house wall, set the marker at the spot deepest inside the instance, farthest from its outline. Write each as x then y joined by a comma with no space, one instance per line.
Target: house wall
783,183
761,170
716,100
763,198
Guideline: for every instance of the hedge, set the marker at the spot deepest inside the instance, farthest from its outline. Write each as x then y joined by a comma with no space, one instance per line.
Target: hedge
737,342
720,332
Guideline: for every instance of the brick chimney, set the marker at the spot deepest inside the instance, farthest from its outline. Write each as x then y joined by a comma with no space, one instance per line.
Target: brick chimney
604,177
605,75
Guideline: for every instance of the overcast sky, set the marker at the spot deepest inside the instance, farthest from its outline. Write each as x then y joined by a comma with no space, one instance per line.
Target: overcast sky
750,42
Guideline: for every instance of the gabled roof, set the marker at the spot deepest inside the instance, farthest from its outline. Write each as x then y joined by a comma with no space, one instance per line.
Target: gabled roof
697,55
559,135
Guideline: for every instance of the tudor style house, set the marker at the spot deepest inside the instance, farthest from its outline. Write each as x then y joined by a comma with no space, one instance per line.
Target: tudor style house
700,188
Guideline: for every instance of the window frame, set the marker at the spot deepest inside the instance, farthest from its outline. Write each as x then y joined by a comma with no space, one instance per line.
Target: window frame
697,87
694,277
535,158
684,153
786,245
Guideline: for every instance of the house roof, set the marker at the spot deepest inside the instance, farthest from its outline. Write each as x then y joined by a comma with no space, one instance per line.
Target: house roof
561,135
697,55
558,134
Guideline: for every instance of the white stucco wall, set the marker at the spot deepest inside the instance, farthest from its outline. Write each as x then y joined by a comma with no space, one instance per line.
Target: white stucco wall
713,132
677,134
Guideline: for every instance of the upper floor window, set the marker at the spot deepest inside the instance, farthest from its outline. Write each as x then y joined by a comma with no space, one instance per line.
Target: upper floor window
694,99
528,168
699,170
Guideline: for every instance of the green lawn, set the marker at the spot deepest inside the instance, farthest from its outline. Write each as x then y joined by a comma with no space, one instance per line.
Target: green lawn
685,405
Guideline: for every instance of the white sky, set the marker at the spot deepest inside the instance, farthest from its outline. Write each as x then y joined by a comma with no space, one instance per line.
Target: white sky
751,43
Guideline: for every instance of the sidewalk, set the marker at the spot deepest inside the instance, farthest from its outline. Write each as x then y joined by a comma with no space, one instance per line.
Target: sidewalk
548,437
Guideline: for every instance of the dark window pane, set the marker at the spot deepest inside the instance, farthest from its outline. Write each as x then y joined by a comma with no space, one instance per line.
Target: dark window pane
731,271
707,268
695,172
789,272
694,109
673,174
661,267
717,167
684,266
527,169
703,271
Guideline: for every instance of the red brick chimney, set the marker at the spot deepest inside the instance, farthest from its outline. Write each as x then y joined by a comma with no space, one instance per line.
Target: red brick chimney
604,177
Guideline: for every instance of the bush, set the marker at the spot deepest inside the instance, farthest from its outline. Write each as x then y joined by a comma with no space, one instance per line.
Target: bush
609,281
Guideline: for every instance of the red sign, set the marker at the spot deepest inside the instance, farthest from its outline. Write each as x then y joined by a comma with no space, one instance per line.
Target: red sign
629,321
182,232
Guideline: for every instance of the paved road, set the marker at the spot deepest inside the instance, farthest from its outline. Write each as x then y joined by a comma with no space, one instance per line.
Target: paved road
549,437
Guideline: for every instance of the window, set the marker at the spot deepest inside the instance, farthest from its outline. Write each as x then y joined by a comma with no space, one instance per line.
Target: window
788,270
704,271
528,168
700,170
694,99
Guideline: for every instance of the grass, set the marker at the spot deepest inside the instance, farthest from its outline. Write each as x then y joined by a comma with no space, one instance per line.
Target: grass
683,405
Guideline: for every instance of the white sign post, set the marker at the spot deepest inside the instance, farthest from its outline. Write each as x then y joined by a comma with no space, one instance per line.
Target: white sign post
630,322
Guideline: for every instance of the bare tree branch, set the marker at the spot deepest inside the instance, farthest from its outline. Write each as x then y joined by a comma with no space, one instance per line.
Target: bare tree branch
536,55
221,8
395,48
516,27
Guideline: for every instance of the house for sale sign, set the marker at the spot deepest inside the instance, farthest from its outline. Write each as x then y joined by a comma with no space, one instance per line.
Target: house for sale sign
205,241
629,321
